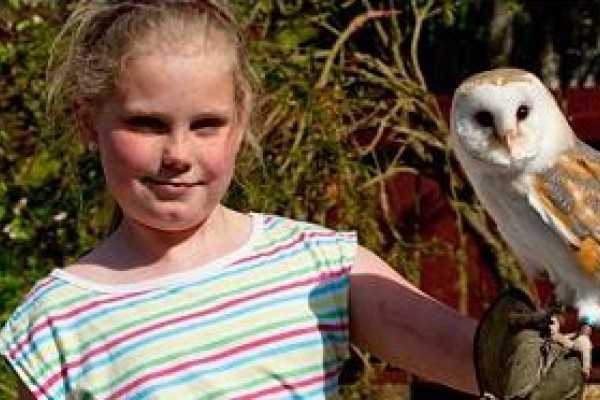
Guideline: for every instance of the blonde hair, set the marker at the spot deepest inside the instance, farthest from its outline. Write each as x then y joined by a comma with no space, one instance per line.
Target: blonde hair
89,52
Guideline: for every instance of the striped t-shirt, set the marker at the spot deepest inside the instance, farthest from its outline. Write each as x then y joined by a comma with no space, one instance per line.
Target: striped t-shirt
269,320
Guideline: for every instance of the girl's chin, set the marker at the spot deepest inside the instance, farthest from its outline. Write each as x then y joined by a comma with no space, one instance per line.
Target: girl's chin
173,224
171,218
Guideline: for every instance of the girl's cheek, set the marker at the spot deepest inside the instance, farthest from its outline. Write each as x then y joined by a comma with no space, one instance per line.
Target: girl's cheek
219,155
133,152
227,157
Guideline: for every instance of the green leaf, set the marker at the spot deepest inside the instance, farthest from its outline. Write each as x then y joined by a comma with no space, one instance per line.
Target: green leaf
38,169
293,36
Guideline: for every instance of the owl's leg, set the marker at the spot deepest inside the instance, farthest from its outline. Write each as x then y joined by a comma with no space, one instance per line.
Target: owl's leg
578,342
582,344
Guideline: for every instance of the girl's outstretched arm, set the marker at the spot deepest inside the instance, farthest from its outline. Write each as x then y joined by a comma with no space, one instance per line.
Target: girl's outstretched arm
407,328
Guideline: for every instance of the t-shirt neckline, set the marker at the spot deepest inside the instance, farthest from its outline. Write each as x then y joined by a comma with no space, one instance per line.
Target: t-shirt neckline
172,279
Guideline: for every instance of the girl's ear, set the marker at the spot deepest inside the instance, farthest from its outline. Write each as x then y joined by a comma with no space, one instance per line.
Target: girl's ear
84,124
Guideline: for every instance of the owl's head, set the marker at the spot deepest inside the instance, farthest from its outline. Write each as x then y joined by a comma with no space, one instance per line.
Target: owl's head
508,119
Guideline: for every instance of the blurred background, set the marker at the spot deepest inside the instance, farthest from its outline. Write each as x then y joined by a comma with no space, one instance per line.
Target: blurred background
352,121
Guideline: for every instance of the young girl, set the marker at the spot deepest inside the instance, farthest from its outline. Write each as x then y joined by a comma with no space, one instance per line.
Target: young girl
187,298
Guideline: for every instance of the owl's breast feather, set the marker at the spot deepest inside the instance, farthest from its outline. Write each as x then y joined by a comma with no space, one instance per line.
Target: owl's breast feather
505,198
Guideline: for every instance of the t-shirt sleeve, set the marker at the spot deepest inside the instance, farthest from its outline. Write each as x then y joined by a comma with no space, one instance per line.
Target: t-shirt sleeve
337,260
348,247
28,348
339,266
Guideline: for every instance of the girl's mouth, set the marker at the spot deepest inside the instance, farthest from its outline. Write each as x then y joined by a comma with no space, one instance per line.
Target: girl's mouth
168,182
170,188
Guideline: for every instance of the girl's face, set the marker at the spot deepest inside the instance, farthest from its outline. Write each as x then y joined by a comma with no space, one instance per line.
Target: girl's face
168,137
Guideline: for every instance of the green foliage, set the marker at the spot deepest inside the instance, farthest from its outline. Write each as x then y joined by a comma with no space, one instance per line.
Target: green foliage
45,182
22,59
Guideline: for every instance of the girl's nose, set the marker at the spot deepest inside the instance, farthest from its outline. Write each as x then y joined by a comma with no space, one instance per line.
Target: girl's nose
177,153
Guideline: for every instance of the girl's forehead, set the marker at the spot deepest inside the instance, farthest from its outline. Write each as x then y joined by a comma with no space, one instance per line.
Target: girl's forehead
174,65
166,53
173,34
214,52
159,70
172,84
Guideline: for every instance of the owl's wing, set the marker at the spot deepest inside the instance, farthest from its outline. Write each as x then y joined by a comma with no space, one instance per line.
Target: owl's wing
567,197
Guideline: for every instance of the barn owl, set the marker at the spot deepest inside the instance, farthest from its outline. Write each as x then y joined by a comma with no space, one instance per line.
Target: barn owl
538,182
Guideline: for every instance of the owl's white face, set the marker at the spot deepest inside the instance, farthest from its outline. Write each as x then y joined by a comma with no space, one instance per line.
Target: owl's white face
506,118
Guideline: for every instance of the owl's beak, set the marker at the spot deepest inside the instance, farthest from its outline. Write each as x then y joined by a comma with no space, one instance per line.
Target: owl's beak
507,137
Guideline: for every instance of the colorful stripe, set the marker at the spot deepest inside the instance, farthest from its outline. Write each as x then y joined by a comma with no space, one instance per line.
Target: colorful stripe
270,323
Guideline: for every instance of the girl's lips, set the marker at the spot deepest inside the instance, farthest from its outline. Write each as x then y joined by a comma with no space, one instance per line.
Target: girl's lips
176,184
166,182
166,188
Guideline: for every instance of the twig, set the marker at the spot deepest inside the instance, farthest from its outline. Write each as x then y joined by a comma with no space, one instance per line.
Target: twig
297,140
383,124
389,172
355,25
421,15
384,37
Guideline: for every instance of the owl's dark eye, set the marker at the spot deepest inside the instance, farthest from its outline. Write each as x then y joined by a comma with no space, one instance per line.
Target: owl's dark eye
484,118
522,112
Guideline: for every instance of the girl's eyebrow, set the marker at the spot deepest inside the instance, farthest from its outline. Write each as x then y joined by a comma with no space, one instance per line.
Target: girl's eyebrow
137,115
205,118
141,112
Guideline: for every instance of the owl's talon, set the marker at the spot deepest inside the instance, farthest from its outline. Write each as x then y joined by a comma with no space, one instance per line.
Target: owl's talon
582,344
579,342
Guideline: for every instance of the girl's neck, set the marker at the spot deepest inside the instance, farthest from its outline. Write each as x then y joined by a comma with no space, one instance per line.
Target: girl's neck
160,244
135,252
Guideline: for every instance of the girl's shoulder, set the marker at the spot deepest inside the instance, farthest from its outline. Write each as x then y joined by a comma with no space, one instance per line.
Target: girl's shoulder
47,296
31,321
285,235
280,225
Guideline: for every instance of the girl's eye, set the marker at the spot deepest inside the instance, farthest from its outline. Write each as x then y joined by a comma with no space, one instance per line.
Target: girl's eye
208,124
146,124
